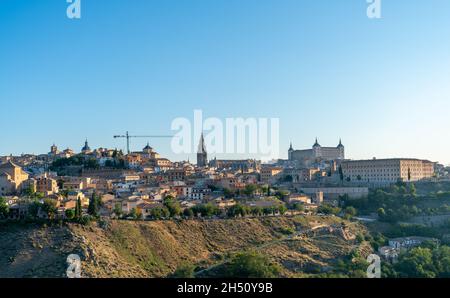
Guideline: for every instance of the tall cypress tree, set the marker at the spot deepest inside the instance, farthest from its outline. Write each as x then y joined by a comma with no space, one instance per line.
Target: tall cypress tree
78,209
93,205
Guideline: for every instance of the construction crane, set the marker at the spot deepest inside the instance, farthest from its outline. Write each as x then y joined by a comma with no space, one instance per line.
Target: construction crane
128,137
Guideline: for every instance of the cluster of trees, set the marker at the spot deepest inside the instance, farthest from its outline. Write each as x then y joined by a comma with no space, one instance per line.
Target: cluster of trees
242,210
396,203
205,210
116,164
328,209
77,215
77,160
4,208
443,209
297,206
246,264
392,215
282,195
30,193
253,189
185,270
405,230
94,205
428,261
352,265
47,206
36,208
442,195
250,264
347,213
249,191
171,208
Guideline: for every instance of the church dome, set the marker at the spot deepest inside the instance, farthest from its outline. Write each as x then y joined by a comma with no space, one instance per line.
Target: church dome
86,147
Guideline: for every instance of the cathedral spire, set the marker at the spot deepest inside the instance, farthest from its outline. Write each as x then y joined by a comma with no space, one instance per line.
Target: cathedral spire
202,155
201,145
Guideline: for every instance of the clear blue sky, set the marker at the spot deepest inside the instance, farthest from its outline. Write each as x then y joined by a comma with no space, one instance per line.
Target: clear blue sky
321,66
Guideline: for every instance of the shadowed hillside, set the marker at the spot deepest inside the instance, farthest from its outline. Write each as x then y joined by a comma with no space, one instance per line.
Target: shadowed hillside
156,249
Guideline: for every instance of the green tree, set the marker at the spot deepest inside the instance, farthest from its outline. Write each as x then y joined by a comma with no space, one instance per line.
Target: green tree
117,209
29,191
256,211
412,189
441,257
135,214
251,264
298,207
265,189
206,210
352,265
50,208
70,214
268,210
250,190
237,210
78,209
159,213
282,209
4,208
33,209
350,212
417,263
328,209
173,206
282,195
85,220
228,193
188,213
94,205
185,270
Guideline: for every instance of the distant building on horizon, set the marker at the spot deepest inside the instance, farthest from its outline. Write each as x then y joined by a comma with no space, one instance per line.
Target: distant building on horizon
308,156
387,170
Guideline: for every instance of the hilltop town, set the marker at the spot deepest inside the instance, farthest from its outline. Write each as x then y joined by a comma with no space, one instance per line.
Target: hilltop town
109,186
136,184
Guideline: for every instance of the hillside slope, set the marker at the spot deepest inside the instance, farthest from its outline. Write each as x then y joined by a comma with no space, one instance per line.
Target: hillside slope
155,249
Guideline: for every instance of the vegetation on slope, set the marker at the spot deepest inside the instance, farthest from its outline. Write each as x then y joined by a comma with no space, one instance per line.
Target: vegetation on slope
167,248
